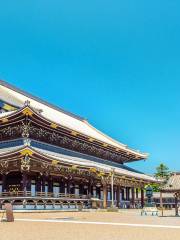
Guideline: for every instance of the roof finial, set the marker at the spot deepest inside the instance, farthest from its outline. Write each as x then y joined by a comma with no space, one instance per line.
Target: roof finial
27,103
27,142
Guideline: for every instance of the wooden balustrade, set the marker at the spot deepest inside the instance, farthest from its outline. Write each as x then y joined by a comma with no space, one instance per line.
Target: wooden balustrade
42,195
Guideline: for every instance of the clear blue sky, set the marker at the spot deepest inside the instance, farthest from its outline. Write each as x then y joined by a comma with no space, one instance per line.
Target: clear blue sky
116,63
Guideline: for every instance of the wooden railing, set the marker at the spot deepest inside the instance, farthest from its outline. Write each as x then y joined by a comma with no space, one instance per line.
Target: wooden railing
43,195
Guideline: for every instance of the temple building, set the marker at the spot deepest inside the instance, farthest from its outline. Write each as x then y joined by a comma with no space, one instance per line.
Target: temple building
53,159
172,186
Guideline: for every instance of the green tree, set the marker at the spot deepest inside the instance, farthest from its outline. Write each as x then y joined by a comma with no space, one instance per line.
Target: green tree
156,187
162,171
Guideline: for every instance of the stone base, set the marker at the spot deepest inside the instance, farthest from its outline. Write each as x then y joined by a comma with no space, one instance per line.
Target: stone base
113,209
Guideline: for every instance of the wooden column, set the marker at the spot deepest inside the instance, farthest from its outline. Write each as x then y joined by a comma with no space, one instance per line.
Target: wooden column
133,196
122,194
24,183
94,192
161,200
68,187
60,185
3,182
81,188
89,189
118,196
43,183
127,193
137,193
98,192
105,196
38,184
65,188
50,185
161,204
142,197
72,188
76,189
176,204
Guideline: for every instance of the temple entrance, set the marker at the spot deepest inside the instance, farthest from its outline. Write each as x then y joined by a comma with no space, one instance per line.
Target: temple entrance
13,182
33,188
56,189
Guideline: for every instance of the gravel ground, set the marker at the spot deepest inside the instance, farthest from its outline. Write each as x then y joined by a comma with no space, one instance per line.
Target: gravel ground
57,230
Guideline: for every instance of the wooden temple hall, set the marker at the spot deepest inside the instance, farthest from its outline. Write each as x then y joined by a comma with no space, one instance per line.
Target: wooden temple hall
52,159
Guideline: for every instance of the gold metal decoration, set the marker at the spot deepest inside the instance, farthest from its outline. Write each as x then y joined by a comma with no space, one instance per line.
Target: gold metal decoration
9,107
44,165
4,164
25,129
93,170
101,174
26,151
91,139
4,120
25,163
74,133
28,112
55,162
54,125
74,167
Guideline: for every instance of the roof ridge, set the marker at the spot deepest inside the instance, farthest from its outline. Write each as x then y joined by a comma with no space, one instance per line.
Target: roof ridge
29,95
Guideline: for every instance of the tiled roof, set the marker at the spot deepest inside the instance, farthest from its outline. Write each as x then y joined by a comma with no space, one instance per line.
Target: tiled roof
80,160
173,183
59,150
17,97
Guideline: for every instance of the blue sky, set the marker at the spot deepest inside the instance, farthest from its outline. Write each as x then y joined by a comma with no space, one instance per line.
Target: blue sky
116,63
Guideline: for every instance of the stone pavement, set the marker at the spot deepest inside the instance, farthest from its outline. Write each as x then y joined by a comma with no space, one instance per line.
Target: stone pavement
125,225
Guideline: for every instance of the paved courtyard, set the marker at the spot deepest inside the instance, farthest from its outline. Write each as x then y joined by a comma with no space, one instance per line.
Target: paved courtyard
125,225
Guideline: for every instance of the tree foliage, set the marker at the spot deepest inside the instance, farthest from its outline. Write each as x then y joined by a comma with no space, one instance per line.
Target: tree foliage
156,187
162,172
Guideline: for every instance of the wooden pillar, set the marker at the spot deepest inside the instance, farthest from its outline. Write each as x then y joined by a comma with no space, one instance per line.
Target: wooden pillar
38,184
133,196
60,186
127,193
161,200
98,192
43,183
3,182
24,183
28,184
105,196
176,204
81,188
68,187
142,197
161,204
72,188
122,194
89,189
137,193
65,188
50,185
118,196
94,192
76,190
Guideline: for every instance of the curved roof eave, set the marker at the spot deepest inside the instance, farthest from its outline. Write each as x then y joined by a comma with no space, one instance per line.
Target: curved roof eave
17,97
76,161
